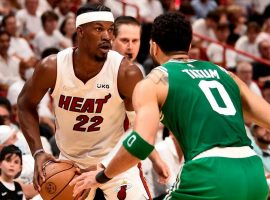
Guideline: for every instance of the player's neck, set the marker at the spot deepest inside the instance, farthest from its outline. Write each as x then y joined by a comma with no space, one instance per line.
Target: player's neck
178,55
182,57
84,60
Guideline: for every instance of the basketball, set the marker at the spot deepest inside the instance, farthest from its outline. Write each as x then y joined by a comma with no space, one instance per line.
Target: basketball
58,177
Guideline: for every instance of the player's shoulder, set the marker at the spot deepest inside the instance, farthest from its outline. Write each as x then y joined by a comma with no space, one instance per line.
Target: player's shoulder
49,61
128,70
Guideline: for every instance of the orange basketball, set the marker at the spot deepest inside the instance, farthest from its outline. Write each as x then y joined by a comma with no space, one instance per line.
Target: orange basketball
58,177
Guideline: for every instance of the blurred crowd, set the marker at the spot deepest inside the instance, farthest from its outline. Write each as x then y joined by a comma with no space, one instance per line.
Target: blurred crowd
234,34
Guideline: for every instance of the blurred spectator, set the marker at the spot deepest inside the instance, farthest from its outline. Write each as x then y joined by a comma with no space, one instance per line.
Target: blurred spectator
244,72
63,10
67,29
266,13
9,134
127,38
9,66
188,11
5,8
19,47
261,145
266,91
47,5
6,111
260,69
237,19
29,19
248,42
49,36
207,26
203,7
9,138
44,109
265,33
168,5
11,167
215,52
261,5
148,10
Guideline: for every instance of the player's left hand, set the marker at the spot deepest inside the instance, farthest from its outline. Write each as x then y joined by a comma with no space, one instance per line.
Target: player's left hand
162,171
83,195
85,181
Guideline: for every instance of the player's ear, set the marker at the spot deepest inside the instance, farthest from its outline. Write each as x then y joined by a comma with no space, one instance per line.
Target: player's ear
79,31
153,47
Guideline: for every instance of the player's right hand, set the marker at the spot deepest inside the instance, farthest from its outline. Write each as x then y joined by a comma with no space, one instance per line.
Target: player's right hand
39,172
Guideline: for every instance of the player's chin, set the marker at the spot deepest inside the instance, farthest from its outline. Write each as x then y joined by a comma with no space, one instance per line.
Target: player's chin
101,57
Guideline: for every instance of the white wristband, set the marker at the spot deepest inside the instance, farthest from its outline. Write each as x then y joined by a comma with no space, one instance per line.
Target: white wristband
38,152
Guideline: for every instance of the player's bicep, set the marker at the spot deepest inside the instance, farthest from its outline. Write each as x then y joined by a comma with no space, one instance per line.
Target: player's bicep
129,75
147,110
44,78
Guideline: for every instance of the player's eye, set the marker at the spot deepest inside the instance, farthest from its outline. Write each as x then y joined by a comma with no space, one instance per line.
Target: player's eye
110,30
98,29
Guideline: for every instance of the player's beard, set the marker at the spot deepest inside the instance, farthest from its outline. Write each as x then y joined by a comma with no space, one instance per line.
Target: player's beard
156,63
263,141
101,58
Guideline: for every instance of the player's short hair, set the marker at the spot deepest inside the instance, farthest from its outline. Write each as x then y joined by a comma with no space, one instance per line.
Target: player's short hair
172,32
128,20
92,7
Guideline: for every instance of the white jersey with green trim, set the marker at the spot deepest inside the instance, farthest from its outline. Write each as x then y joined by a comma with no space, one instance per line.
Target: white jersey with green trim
89,116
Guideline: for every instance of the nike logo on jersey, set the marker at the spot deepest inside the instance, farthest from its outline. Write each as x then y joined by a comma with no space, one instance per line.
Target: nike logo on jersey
3,194
66,88
103,86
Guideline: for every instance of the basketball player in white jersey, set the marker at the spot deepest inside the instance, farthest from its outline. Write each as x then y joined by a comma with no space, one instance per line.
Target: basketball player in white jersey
92,89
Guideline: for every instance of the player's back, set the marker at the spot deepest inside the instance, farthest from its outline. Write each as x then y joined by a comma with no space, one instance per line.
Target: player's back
203,107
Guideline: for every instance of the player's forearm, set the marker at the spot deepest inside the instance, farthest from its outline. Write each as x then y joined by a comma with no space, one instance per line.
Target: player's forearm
120,163
29,123
258,110
154,156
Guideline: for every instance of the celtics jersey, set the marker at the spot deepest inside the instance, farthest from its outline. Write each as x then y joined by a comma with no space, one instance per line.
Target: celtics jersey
203,107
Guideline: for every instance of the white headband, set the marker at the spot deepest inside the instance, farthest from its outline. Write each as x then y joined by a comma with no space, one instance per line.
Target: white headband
94,16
